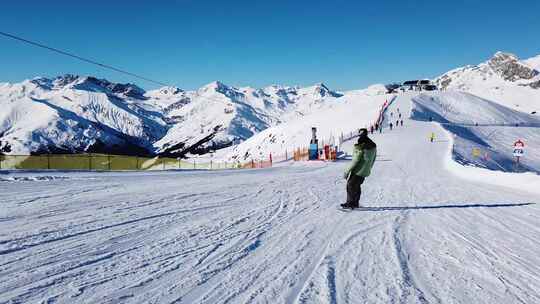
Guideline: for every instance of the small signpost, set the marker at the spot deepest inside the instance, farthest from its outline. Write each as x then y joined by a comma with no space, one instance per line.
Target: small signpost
519,149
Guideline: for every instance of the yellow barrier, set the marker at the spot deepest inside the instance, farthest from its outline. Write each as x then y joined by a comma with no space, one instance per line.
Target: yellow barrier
170,163
104,162
24,162
186,164
100,162
70,162
119,162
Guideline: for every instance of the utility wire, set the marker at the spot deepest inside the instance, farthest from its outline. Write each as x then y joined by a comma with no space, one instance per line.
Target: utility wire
81,58
65,53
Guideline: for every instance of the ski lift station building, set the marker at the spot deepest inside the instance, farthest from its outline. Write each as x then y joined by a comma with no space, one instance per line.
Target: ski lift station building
418,85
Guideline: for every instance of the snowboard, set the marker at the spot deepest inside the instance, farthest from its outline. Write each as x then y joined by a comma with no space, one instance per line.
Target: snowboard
360,208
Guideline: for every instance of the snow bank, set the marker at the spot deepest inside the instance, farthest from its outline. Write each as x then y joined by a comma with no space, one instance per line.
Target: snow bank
527,181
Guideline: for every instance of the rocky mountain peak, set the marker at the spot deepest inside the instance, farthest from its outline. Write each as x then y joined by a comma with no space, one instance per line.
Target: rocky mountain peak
65,80
510,68
169,91
322,90
216,85
42,82
219,87
91,83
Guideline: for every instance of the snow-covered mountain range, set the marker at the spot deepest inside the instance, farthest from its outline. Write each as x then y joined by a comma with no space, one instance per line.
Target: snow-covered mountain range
503,79
71,114
74,114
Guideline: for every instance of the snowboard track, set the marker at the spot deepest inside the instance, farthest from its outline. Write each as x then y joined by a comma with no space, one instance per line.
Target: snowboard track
408,282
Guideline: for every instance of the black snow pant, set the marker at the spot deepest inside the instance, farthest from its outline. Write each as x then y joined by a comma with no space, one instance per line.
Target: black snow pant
354,189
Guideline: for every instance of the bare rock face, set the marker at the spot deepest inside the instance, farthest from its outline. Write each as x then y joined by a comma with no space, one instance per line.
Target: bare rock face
535,84
443,82
508,66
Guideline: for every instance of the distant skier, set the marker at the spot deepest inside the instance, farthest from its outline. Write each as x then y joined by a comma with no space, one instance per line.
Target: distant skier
391,126
397,123
432,137
400,115
364,155
402,122
380,129
371,129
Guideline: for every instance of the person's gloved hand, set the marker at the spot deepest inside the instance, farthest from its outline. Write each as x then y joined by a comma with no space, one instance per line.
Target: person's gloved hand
346,175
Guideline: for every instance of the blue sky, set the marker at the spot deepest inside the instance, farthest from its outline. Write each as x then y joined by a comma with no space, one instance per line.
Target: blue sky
345,44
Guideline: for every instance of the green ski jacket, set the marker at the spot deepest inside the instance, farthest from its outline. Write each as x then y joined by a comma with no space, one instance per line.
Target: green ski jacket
363,159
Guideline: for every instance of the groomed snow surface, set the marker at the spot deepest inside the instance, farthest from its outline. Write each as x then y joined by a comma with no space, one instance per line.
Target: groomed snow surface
425,234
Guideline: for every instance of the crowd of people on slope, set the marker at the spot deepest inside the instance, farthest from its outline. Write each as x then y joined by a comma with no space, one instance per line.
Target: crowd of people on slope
378,127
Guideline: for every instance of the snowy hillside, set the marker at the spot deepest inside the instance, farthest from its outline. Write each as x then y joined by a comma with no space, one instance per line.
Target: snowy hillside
219,115
71,114
356,109
533,62
74,114
494,136
504,79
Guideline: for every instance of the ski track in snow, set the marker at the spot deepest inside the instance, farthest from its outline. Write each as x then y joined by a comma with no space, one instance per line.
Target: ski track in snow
273,235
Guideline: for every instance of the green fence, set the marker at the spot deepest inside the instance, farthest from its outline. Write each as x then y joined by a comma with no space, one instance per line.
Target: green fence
103,162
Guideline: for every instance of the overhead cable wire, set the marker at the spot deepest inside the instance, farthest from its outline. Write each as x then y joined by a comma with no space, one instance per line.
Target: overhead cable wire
65,53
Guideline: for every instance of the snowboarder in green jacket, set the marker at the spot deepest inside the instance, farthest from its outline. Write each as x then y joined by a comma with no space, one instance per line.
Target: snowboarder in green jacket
363,159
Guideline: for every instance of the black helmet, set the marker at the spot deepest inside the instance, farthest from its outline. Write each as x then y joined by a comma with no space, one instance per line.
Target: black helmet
362,134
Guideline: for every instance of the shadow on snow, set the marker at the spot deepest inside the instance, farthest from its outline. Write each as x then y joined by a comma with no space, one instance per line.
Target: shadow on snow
442,207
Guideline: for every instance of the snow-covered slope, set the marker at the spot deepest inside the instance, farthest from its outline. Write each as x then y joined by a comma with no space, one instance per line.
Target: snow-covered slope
494,136
83,114
533,62
503,79
423,234
356,109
